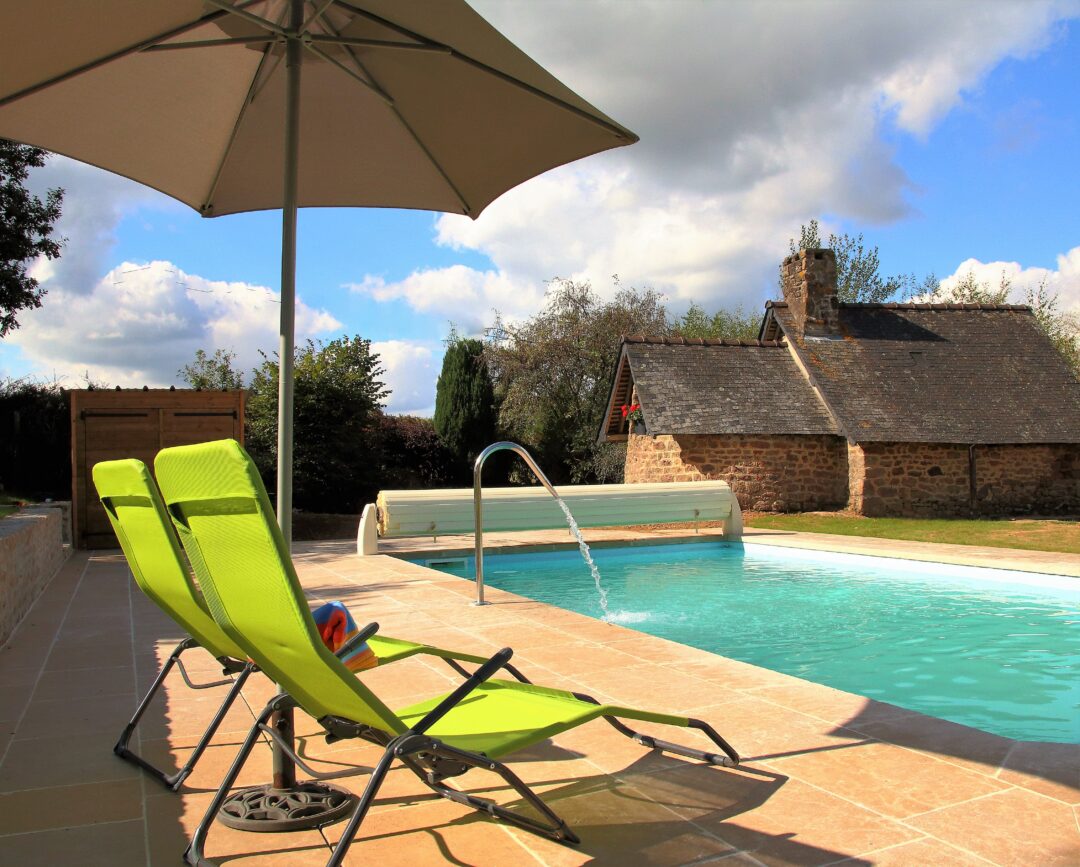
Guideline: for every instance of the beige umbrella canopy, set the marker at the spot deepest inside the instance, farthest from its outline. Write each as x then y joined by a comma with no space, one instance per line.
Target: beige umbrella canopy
255,104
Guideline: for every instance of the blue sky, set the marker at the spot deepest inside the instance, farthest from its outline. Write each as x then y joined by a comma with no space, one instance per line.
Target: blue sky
946,133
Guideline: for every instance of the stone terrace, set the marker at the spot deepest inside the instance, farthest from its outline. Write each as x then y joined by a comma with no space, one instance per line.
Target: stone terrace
828,777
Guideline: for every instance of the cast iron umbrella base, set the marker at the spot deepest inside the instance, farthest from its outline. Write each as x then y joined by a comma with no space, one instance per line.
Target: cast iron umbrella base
299,807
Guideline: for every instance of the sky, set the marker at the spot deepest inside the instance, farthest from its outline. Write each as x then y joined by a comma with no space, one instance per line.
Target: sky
946,133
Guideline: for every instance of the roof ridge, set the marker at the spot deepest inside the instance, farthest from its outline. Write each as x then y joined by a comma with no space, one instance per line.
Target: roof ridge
700,341
913,305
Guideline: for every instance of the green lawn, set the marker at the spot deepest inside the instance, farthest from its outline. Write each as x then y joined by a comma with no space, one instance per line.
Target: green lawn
1031,535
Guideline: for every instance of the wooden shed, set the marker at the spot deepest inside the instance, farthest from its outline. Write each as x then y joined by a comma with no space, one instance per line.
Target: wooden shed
138,423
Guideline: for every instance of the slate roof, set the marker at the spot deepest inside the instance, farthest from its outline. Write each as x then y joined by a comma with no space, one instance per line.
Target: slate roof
717,386
955,373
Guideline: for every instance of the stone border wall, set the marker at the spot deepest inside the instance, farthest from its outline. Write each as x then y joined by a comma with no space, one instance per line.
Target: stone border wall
31,553
935,479
767,472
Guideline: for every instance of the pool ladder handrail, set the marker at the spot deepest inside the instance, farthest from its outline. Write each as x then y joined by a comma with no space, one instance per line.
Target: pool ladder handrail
478,505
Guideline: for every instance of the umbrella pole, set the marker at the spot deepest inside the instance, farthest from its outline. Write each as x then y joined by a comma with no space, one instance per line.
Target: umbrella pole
284,769
285,805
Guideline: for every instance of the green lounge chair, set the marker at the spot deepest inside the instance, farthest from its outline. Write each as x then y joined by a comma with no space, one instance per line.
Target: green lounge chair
220,508
137,513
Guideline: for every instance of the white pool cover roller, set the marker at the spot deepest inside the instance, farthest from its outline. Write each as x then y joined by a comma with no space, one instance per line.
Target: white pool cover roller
450,511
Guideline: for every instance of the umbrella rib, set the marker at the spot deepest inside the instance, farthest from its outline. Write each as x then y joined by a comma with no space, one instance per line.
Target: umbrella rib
211,43
316,15
116,55
257,20
378,91
465,206
207,208
358,42
616,130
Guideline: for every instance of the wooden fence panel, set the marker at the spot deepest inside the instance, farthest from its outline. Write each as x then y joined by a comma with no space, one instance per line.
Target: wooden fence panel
106,425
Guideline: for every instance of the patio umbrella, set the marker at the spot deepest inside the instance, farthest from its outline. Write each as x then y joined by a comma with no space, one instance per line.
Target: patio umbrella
256,104
241,105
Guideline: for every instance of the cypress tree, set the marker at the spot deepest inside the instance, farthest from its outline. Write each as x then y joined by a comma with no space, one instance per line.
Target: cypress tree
465,415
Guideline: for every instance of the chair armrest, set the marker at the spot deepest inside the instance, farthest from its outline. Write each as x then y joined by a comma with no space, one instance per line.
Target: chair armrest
358,639
484,672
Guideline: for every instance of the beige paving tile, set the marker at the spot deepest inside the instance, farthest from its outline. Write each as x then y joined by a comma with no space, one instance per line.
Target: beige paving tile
776,819
832,705
656,687
86,683
619,824
957,744
730,673
1009,828
759,730
651,649
87,655
888,779
11,676
69,806
67,760
1049,769
926,851
438,832
14,699
571,659
114,844
171,820
104,714
613,752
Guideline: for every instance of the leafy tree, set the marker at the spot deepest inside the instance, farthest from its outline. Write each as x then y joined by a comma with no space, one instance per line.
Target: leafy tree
26,224
968,290
212,372
338,398
35,429
412,455
552,373
736,323
857,277
1063,329
466,418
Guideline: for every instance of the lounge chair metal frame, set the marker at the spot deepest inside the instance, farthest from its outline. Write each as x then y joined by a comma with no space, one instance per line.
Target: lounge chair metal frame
241,670
433,762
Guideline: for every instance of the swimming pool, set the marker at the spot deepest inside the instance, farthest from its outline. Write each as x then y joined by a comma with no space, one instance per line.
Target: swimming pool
988,648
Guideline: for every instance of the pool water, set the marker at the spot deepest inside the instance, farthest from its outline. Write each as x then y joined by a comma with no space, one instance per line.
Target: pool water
988,648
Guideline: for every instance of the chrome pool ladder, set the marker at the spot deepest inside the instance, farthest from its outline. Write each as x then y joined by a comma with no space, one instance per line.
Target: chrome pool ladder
478,504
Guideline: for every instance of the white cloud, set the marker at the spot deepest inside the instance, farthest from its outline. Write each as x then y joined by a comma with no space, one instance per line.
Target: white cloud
458,293
139,324
753,118
931,82
1064,281
411,370
94,203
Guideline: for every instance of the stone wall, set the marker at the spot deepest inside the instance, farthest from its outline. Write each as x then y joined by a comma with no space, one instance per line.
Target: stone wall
934,479
767,472
31,552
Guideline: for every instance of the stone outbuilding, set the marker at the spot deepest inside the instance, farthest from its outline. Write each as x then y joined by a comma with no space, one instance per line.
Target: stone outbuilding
885,409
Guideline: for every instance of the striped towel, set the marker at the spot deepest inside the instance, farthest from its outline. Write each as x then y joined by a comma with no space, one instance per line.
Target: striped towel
336,626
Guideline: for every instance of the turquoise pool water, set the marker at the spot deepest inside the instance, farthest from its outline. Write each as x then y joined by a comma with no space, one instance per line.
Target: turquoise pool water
988,648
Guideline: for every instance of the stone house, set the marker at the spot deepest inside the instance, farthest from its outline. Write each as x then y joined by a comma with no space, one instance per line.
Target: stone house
885,409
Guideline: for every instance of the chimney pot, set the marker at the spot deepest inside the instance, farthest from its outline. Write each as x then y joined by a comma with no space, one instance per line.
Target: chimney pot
808,281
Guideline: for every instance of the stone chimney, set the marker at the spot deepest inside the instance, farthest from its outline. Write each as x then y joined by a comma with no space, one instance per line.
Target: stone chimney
808,281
